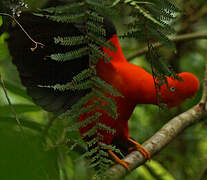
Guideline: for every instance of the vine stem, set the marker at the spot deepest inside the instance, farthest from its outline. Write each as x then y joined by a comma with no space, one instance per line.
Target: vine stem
35,42
9,102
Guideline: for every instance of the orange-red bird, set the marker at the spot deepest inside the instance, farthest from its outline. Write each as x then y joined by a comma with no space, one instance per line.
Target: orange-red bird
137,87
133,82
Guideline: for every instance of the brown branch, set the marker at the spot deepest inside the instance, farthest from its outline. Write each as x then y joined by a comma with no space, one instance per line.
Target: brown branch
164,136
185,37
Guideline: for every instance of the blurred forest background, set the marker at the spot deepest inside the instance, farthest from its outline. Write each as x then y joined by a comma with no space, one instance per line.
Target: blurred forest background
39,152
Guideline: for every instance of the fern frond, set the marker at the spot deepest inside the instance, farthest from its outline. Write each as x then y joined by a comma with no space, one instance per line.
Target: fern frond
103,7
64,9
106,103
95,50
85,74
105,162
96,29
73,115
66,18
92,151
166,4
71,86
97,40
95,17
105,86
90,119
70,55
139,34
147,15
78,106
161,14
91,142
152,19
91,132
70,41
103,153
96,5
84,123
106,128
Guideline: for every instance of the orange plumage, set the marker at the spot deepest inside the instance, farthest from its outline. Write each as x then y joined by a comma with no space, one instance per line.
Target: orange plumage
137,87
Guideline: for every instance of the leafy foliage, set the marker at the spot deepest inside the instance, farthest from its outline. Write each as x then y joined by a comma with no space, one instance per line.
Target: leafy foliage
151,23
150,20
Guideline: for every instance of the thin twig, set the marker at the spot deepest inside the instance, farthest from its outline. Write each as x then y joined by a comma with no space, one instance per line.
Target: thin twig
185,37
35,42
10,104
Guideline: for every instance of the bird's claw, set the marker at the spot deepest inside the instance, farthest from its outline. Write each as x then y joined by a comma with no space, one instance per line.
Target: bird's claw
125,164
119,161
140,148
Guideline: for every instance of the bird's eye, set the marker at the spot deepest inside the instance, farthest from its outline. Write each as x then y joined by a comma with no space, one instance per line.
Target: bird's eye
172,88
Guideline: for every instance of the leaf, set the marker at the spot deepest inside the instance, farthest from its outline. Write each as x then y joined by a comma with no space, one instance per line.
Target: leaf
70,41
17,90
24,122
93,16
70,55
65,8
106,87
70,86
63,18
96,28
19,108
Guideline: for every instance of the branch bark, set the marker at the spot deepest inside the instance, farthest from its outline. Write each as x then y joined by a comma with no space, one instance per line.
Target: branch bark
185,37
165,135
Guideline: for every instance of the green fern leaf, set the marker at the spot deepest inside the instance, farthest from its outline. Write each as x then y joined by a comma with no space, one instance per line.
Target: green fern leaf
66,18
105,86
70,55
71,41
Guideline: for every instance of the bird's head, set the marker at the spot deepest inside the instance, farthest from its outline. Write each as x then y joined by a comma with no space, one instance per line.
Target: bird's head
177,91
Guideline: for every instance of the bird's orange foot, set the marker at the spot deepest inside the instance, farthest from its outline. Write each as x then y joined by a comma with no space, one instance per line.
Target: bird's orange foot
118,160
140,148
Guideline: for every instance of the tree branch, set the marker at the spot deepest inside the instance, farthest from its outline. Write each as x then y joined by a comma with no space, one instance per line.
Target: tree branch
185,37
164,136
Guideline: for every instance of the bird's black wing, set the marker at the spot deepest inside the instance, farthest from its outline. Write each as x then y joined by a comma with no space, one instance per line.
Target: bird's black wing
37,68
